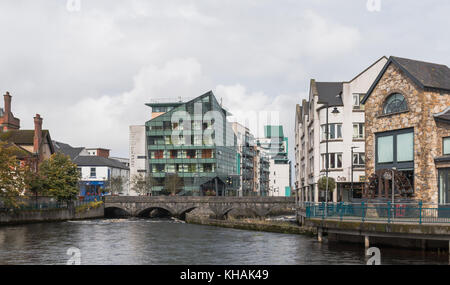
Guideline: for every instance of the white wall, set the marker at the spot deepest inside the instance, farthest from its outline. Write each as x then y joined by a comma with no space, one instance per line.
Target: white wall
278,179
137,149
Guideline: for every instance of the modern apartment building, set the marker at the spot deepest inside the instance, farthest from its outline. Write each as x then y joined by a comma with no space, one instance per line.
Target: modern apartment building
274,145
191,139
337,104
246,161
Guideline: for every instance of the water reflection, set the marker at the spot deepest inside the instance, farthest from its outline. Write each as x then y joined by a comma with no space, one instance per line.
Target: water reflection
147,241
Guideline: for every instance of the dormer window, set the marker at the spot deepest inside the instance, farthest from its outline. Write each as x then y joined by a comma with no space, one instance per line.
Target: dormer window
395,103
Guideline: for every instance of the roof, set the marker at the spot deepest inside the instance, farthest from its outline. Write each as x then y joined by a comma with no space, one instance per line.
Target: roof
67,149
328,93
425,74
98,161
25,137
443,116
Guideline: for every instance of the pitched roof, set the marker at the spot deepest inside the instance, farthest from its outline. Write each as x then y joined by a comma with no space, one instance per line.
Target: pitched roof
25,137
66,149
328,93
425,74
86,160
443,116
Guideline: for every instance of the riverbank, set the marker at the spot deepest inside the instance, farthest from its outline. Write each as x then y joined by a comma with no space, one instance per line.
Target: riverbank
92,210
253,224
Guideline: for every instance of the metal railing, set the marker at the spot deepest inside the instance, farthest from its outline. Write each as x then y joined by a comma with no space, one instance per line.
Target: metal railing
416,213
32,205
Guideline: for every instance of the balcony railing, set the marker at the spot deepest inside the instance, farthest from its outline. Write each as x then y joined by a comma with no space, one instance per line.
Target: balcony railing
415,213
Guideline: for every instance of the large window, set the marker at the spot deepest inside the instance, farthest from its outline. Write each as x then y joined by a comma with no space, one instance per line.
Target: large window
395,149
358,130
446,146
395,103
335,131
359,160
335,161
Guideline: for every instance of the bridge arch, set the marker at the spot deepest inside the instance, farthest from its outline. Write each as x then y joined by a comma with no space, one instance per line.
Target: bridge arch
182,213
116,212
163,211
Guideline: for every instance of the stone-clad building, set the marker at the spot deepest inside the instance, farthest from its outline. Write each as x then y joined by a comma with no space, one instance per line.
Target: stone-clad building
407,126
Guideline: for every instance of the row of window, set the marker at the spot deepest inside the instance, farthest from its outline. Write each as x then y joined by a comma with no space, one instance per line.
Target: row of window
191,154
335,131
182,168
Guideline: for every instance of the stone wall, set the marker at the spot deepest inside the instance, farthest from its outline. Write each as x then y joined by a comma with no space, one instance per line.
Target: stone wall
422,104
51,215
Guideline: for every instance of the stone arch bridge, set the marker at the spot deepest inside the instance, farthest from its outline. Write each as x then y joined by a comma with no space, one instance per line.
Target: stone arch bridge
218,207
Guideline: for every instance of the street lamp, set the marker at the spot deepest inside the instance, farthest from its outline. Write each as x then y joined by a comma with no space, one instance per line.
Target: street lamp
327,130
351,191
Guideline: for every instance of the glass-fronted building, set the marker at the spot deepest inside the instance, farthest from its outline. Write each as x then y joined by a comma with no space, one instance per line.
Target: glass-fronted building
195,141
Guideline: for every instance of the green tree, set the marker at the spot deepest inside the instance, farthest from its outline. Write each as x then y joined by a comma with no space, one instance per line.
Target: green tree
173,184
323,184
143,184
61,177
12,177
35,183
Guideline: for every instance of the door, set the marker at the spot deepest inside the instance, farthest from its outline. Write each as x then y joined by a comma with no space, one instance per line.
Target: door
444,193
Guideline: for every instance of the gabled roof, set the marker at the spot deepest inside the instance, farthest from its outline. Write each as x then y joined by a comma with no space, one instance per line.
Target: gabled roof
329,93
443,116
67,149
25,137
426,75
87,160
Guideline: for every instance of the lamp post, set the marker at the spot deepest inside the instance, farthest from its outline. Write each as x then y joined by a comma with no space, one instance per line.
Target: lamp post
351,191
327,130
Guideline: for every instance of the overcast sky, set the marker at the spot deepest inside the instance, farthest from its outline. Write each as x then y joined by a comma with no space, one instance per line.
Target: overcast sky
89,71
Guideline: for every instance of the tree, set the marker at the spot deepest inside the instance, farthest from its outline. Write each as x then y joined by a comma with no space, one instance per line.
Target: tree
12,177
116,184
143,184
173,184
61,177
35,183
323,184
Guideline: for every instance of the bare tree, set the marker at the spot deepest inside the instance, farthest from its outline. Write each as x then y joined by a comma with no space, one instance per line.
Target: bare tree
143,184
116,185
173,184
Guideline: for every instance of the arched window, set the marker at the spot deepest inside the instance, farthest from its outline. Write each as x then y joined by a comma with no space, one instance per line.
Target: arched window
395,103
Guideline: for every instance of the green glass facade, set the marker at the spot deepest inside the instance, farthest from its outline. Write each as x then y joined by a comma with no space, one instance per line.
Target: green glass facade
194,140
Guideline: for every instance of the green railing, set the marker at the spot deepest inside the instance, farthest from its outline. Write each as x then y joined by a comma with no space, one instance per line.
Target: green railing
417,213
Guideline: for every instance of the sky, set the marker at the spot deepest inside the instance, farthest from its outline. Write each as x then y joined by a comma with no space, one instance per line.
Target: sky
88,67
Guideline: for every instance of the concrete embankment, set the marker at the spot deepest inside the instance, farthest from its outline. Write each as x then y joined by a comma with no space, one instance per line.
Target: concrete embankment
253,225
51,215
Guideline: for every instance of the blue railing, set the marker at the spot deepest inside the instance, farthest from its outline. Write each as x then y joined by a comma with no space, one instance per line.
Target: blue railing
418,213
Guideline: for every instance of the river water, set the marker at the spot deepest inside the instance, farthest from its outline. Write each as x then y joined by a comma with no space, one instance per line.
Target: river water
150,241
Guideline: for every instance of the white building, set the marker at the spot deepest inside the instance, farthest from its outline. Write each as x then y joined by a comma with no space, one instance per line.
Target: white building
138,155
346,132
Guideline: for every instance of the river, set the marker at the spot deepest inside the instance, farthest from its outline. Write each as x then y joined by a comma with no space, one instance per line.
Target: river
150,241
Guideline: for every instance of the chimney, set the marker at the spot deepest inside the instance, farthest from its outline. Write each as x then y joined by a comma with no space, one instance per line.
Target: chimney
37,133
7,98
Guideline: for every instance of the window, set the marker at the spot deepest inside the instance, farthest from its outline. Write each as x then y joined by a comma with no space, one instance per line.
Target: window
395,103
385,149
93,172
446,146
335,131
359,160
358,130
357,98
311,139
395,149
335,161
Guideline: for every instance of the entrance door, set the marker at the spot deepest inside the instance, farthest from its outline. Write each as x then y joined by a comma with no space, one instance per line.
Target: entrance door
444,186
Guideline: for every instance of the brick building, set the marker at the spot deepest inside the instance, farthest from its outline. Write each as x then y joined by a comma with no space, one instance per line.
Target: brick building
31,146
408,132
